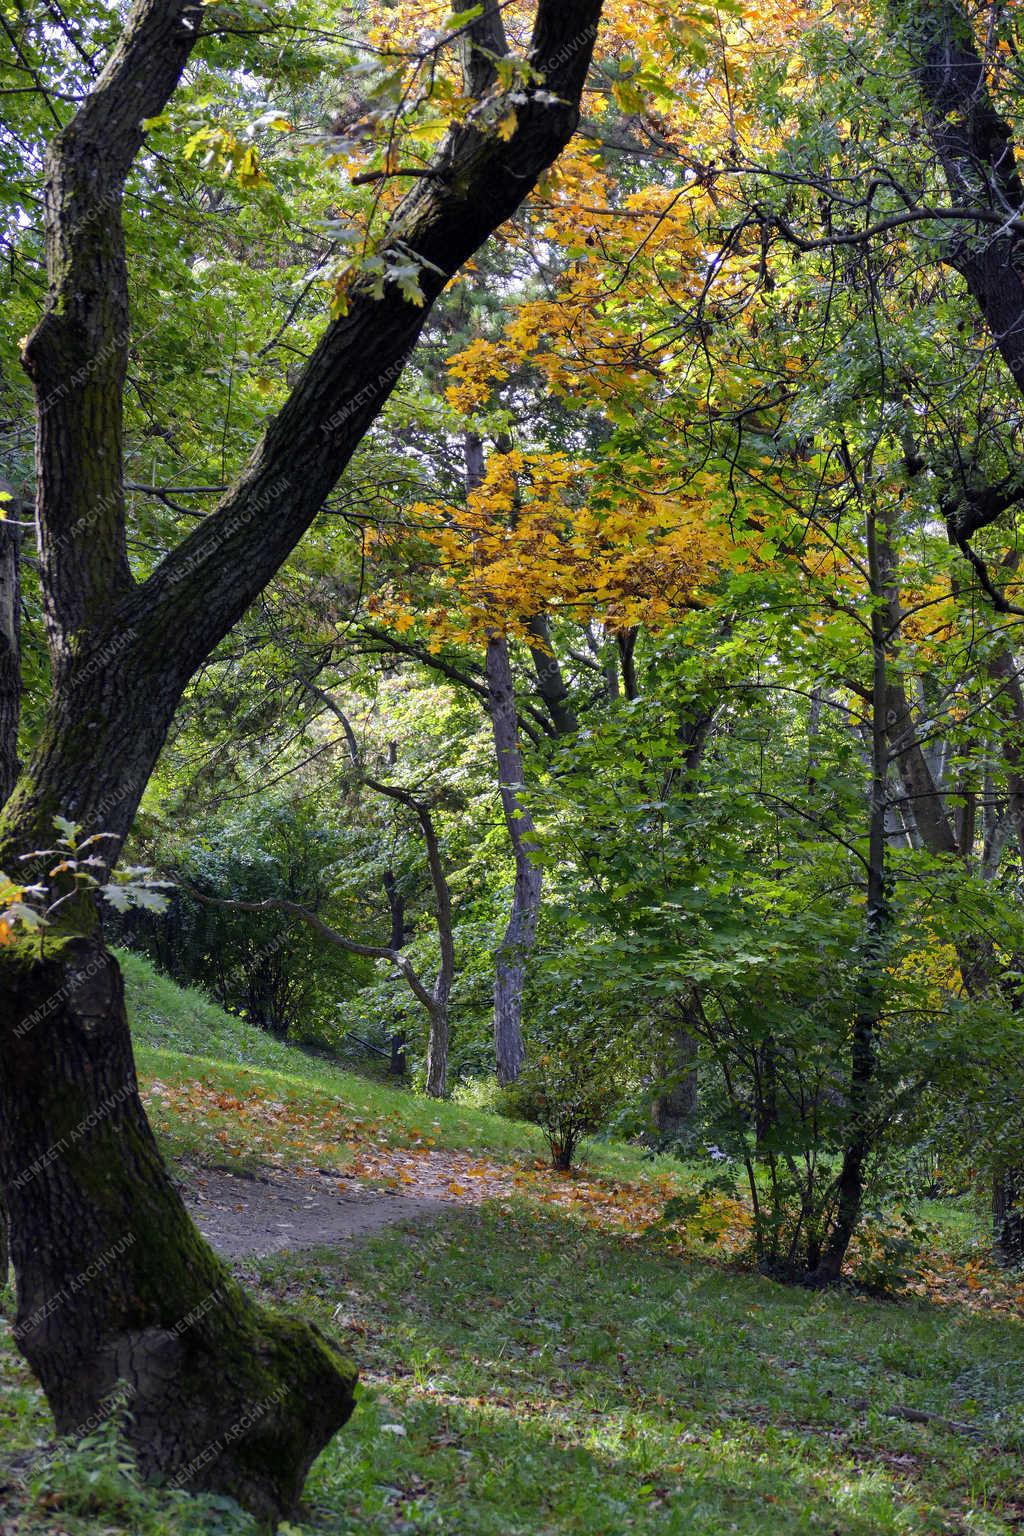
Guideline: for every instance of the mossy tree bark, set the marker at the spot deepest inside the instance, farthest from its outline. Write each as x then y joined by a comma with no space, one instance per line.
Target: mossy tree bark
119,1299
114,1283
10,638
10,699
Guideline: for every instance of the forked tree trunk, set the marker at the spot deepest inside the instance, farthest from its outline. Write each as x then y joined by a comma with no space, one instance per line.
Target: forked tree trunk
113,1280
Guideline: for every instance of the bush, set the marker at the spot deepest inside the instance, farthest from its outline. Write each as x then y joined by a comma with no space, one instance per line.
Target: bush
568,1095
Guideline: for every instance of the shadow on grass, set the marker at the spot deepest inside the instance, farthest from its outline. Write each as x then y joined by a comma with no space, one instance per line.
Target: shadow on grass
525,1375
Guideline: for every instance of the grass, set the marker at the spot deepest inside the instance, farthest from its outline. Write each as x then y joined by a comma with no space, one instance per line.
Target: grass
525,1375
184,1042
550,1379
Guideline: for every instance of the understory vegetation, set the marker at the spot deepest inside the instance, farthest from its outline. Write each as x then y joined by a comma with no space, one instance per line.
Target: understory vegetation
527,1370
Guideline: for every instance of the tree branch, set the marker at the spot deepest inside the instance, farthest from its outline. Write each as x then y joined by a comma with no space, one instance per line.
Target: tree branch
325,931
77,354
205,584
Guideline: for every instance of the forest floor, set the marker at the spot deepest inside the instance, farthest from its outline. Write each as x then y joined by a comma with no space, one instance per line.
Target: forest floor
539,1356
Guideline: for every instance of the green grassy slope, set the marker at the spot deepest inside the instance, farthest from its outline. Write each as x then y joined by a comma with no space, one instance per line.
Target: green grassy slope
183,1038
527,1376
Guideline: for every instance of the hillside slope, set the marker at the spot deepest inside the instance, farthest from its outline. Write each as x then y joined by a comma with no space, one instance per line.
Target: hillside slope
535,1362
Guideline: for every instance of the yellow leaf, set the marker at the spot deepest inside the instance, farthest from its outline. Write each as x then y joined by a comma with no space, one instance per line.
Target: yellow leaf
508,125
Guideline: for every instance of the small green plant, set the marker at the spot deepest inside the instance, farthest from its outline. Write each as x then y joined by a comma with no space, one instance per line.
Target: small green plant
70,868
887,1252
568,1095
96,1480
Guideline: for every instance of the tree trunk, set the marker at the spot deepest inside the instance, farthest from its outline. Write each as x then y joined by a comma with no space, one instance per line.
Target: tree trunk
113,1280
550,683
10,705
626,641
674,1108
513,952
975,149
400,933
1008,1217
115,1286
437,1053
517,942
863,1049
10,645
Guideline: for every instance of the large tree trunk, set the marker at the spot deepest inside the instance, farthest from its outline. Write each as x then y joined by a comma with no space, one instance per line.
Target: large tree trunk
10,645
115,1286
113,1281
10,703
514,950
975,149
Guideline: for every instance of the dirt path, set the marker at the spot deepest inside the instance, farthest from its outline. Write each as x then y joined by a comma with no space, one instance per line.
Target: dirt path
250,1215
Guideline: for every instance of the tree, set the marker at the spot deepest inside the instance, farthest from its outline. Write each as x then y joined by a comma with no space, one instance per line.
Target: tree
436,998
77,1159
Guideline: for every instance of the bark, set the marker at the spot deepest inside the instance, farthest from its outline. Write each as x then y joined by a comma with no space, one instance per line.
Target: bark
115,1285
400,932
5,1251
1008,1216
550,683
237,1401
10,702
626,642
975,149
10,641
1005,672
924,797
517,941
480,45
675,1106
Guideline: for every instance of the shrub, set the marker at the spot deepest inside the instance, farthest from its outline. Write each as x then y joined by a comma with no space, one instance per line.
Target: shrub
568,1095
